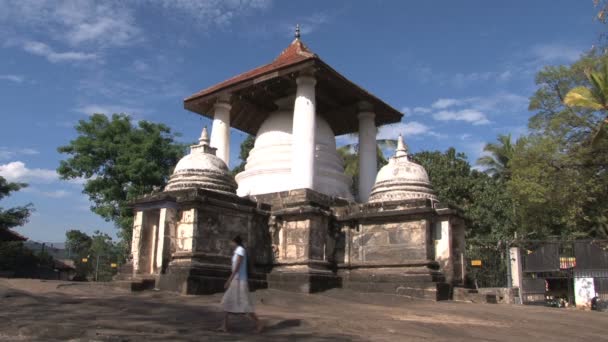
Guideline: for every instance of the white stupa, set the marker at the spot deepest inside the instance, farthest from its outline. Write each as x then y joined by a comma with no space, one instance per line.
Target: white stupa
202,169
401,179
269,164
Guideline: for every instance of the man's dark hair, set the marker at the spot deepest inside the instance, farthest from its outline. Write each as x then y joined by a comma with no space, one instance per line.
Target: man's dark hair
238,240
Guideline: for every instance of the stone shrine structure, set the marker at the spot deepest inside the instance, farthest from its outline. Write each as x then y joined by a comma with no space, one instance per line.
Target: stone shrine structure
292,205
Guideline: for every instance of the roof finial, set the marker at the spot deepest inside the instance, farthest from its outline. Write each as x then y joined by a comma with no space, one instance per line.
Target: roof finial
297,35
204,139
401,147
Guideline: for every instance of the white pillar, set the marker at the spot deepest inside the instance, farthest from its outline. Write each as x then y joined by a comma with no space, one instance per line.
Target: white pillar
303,133
160,244
136,240
516,270
443,248
220,132
367,151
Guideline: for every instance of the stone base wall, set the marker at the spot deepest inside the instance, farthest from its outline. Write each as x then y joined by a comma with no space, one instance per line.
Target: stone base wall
199,229
299,241
390,242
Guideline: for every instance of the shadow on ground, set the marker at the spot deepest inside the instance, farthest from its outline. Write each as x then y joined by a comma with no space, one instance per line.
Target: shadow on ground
128,317
55,311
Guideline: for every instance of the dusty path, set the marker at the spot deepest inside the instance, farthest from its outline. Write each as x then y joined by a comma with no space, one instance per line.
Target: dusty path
31,310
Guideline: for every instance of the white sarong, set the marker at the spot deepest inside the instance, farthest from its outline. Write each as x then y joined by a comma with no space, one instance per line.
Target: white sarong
237,298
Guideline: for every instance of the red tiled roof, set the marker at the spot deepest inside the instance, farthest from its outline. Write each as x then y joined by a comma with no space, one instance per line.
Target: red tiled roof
10,235
256,91
295,53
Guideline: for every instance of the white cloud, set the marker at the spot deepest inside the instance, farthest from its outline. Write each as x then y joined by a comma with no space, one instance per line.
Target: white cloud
465,136
422,110
8,153
91,109
42,49
406,129
108,23
140,66
468,115
445,103
55,193
475,109
96,25
409,129
309,24
474,150
556,52
463,79
206,12
17,172
12,78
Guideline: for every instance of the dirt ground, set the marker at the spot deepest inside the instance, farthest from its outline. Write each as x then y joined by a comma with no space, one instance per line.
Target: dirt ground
34,310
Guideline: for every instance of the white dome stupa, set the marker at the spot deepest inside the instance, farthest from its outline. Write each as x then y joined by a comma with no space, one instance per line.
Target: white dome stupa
268,167
401,179
202,169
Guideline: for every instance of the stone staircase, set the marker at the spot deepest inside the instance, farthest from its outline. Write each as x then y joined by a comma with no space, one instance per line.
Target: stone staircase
461,294
411,282
124,279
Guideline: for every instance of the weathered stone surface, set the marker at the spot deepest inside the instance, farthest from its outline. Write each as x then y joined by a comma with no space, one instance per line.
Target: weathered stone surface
303,241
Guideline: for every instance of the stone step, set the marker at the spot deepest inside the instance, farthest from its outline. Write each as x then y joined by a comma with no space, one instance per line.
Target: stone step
461,294
420,290
395,278
137,284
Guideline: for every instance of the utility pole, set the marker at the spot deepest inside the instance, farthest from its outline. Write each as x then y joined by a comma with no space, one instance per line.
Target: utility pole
96,267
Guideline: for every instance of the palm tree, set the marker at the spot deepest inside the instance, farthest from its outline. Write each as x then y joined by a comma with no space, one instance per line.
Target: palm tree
500,154
594,97
351,159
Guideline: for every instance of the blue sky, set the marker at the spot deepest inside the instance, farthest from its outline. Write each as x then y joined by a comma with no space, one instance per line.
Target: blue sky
461,71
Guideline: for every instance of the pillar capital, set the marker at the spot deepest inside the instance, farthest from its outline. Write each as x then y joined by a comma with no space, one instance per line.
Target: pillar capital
366,115
224,98
222,105
364,106
306,79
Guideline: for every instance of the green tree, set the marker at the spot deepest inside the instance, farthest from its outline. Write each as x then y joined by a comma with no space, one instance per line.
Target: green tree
246,147
483,200
100,252
16,216
103,253
350,156
120,162
559,181
593,97
450,174
79,245
497,162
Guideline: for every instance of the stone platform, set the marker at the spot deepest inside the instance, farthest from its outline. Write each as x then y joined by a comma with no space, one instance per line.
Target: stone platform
298,241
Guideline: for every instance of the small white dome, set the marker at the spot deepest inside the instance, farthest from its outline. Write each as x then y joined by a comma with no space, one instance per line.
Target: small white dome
268,167
401,179
202,169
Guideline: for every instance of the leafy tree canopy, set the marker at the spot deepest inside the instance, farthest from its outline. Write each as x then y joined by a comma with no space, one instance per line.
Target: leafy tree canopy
559,179
246,147
99,251
16,216
120,162
483,200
